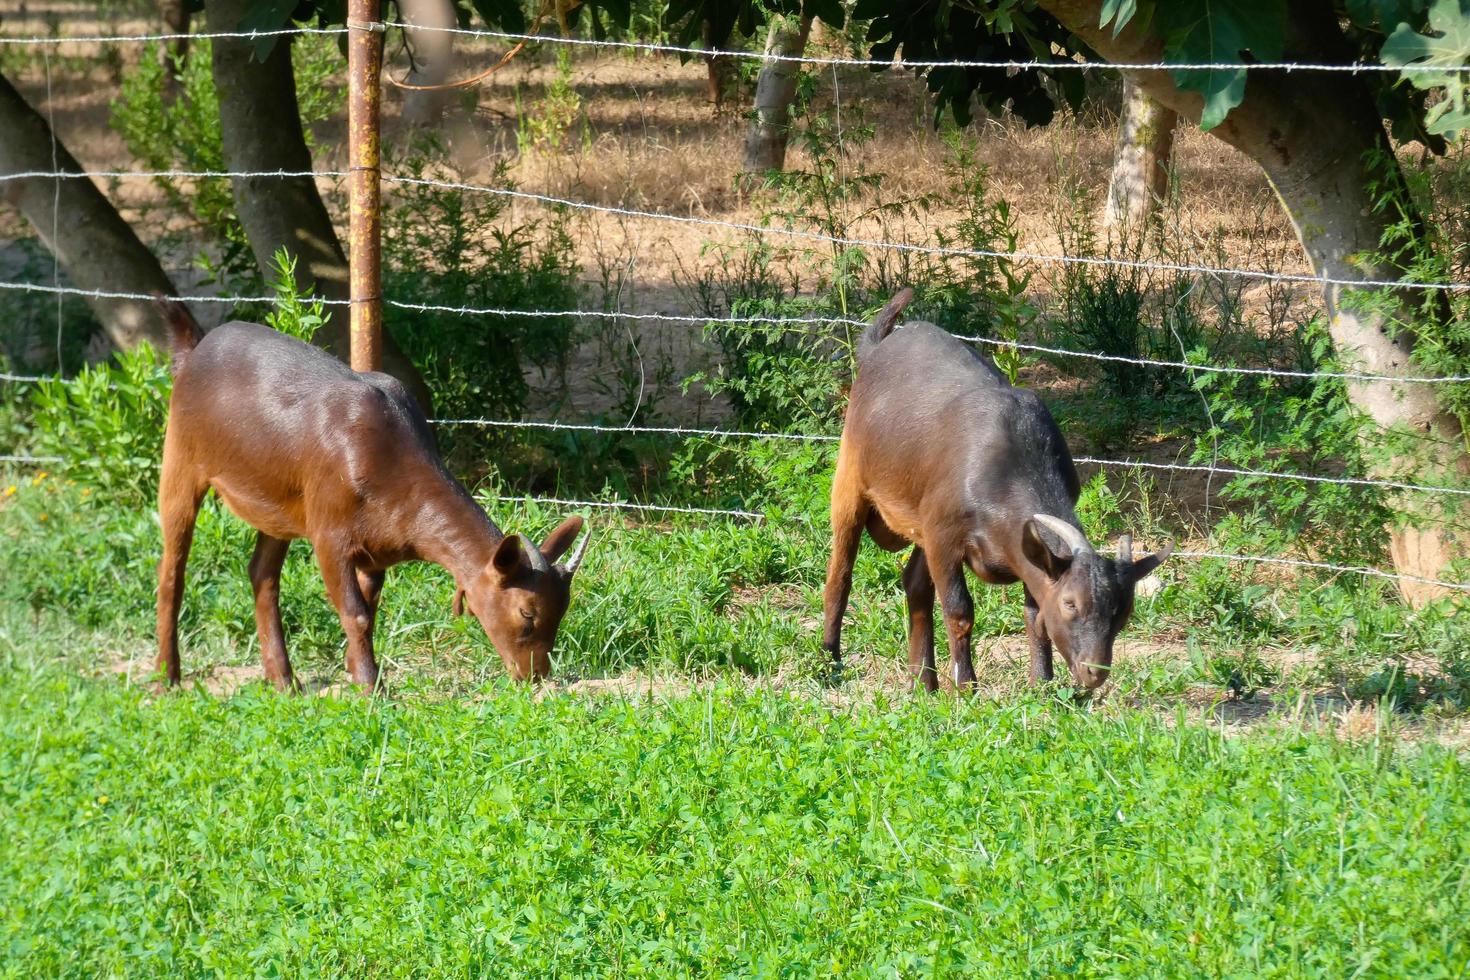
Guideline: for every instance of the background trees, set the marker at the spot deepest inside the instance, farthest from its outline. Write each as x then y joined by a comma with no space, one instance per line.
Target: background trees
1330,143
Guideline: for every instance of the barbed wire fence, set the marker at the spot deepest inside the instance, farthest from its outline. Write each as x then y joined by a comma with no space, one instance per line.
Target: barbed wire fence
805,322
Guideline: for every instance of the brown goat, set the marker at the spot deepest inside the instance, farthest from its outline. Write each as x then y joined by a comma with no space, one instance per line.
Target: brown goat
939,450
298,445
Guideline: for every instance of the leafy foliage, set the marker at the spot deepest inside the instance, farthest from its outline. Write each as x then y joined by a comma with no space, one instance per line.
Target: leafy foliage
1211,31
938,30
1448,47
106,423
447,248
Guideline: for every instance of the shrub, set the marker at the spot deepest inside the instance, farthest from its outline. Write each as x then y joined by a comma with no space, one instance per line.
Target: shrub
107,424
443,247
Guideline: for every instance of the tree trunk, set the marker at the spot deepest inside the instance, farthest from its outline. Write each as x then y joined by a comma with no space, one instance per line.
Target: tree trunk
775,93
261,130
432,53
1140,181
1317,136
719,69
92,242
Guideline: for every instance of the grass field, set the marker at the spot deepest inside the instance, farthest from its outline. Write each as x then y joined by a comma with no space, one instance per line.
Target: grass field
1273,782
727,832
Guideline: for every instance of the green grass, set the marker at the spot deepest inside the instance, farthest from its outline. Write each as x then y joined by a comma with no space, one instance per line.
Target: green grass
728,832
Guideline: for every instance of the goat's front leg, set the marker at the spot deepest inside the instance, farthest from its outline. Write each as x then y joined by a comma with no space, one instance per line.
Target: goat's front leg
265,581
959,615
1039,641
340,576
849,514
918,586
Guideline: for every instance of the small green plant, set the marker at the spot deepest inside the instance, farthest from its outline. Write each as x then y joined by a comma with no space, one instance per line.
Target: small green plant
547,125
981,292
1242,673
291,315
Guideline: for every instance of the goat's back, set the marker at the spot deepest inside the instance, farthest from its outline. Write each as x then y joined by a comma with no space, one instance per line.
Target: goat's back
266,415
929,414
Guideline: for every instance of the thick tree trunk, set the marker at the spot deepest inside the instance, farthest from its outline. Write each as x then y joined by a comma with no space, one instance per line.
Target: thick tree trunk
261,130
775,93
96,247
1140,181
432,52
1322,144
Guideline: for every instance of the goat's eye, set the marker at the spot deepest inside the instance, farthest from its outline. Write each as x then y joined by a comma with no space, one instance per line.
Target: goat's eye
1070,606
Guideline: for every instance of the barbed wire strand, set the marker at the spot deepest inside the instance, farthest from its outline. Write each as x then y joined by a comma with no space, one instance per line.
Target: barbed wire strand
812,437
751,515
1299,278
1325,566
972,253
762,321
648,47
141,38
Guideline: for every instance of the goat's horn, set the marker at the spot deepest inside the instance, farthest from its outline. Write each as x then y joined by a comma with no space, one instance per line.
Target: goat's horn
581,549
1125,549
533,554
1072,537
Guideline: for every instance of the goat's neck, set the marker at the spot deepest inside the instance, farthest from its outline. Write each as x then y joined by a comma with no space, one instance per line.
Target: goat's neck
453,531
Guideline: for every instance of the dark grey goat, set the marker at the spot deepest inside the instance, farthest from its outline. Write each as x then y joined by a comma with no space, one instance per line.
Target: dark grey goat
940,451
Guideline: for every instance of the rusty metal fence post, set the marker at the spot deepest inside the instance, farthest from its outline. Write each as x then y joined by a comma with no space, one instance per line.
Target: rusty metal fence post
364,100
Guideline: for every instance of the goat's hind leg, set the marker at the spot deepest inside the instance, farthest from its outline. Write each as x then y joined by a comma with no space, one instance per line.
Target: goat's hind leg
849,514
918,587
265,581
179,495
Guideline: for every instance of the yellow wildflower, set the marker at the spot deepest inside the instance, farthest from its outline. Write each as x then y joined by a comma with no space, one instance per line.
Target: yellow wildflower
10,490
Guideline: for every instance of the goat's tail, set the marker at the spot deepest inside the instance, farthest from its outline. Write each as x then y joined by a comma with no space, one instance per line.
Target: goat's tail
882,324
184,333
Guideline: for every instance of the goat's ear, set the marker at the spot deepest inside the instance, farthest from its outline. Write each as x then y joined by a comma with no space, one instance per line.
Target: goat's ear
559,540
1146,565
512,557
456,605
1044,549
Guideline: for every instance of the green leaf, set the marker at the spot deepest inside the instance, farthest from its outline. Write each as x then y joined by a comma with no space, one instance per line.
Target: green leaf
1380,13
1448,47
1119,13
267,15
1220,32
